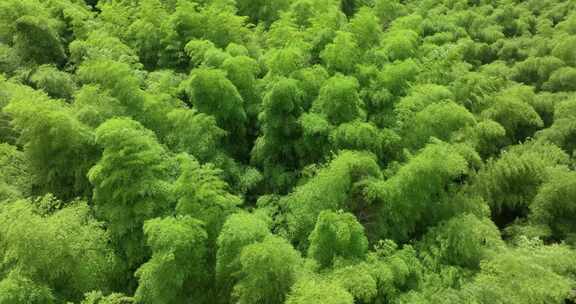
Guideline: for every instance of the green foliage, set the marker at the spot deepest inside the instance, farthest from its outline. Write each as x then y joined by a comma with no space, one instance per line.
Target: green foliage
15,177
487,137
417,195
328,190
195,133
285,61
337,235
281,109
536,70
394,270
35,41
213,94
360,136
132,160
121,81
9,59
399,45
366,28
59,147
561,80
563,50
239,230
268,270
202,194
55,83
18,289
342,54
510,182
439,120
562,130
529,274
278,145
315,290
262,11
287,151
96,297
357,280
92,105
554,204
60,255
242,72
463,241
338,100
178,252
513,111
101,46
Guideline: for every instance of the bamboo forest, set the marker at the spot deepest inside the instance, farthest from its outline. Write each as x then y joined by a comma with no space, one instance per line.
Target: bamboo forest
287,151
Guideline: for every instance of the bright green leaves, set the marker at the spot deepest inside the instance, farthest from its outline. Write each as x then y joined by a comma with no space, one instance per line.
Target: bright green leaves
262,11
198,51
513,110
337,235
339,127
366,28
17,289
120,81
195,133
342,54
15,177
563,50
96,297
241,229
388,10
145,33
487,137
285,61
314,290
562,131
394,269
360,136
399,44
508,184
438,120
178,253
202,193
55,83
555,205
242,72
529,274
281,109
130,182
59,147
100,45
562,80
328,190
339,101
418,194
94,105
65,251
464,241
536,70
277,149
358,280
268,271
37,42
212,93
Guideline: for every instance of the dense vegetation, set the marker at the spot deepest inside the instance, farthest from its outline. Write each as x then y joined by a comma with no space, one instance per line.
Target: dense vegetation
287,151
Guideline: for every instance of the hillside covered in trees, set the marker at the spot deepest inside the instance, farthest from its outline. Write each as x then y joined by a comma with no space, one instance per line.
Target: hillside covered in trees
287,151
